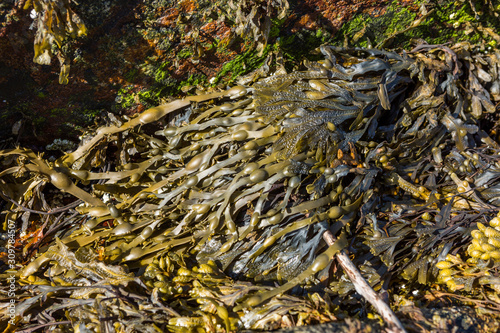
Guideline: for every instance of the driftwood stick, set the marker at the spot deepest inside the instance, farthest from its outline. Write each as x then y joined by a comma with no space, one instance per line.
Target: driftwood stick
364,289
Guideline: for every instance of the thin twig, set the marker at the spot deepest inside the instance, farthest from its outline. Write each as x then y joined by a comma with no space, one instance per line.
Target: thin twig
6,198
364,289
65,208
50,212
54,227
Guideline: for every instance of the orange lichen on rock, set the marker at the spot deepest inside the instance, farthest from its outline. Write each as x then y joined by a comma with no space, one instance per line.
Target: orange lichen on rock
215,29
169,18
188,6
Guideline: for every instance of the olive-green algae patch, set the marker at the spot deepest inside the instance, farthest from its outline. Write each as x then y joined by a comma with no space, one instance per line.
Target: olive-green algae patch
241,64
436,23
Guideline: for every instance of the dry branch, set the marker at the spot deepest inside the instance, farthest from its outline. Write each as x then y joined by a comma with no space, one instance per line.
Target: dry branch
364,289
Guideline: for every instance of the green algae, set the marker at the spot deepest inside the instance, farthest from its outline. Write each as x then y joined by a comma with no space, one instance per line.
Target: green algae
299,46
132,75
184,53
448,22
241,65
193,80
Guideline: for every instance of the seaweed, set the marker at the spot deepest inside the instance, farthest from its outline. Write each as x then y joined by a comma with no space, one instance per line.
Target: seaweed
54,21
196,208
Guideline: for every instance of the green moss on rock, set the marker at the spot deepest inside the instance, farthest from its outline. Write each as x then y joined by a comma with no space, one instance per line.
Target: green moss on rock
447,22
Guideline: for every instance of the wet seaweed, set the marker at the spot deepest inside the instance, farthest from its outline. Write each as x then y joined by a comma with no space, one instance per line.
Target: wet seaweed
196,221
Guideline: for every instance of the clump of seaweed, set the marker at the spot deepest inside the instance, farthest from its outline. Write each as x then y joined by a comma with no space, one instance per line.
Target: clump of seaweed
54,21
195,209
253,18
480,267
